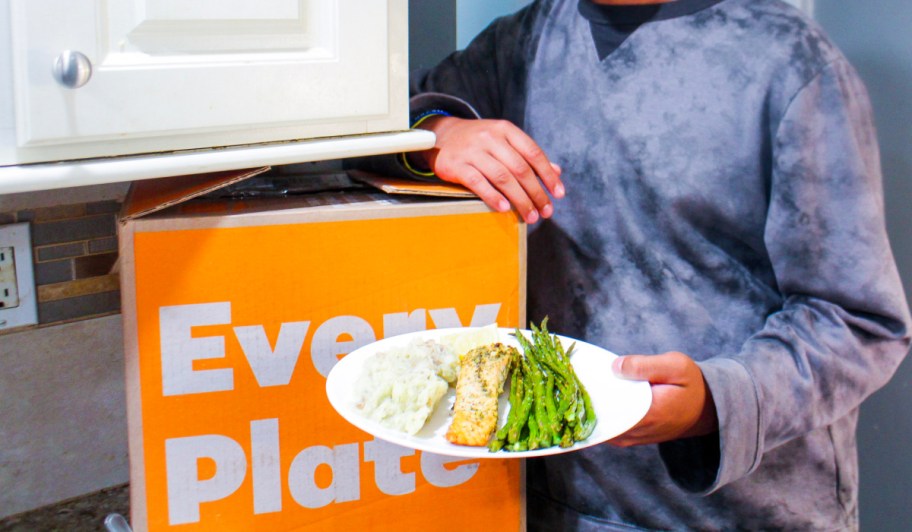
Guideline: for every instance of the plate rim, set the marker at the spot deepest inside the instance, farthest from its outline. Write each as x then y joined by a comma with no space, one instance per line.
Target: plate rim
375,429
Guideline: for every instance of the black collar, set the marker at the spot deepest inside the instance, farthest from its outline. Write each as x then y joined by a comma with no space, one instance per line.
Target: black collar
635,15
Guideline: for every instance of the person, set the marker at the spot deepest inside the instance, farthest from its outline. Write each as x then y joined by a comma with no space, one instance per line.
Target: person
703,178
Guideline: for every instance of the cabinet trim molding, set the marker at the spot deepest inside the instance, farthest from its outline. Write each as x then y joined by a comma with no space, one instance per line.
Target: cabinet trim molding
45,176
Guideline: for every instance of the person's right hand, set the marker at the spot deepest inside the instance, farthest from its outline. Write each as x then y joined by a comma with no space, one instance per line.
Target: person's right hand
497,161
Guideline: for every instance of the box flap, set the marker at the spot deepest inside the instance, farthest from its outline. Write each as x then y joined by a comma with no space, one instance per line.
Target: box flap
392,185
152,195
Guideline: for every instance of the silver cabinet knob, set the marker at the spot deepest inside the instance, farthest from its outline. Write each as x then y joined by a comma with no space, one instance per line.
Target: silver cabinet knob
72,69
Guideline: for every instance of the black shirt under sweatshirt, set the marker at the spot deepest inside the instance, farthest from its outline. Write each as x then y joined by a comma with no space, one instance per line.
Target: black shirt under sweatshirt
611,25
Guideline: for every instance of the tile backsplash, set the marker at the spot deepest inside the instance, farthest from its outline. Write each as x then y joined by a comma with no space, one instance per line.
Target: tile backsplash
74,254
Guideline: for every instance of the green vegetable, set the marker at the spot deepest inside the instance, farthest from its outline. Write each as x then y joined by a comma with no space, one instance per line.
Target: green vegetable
548,403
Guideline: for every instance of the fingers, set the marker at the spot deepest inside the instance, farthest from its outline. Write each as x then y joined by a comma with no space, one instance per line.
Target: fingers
514,166
641,435
476,182
509,173
472,174
538,162
667,368
497,161
558,191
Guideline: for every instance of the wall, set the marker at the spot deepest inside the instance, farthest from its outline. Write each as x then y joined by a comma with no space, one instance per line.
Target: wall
63,421
875,36
74,251
432,31
474,16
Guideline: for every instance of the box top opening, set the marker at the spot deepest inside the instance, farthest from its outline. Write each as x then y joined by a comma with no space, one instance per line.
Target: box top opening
151,196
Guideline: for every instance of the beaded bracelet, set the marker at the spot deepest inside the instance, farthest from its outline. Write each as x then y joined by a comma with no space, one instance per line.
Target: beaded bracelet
424,115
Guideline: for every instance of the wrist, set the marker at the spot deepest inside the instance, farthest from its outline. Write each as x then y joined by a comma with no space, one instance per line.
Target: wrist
434,123
418,162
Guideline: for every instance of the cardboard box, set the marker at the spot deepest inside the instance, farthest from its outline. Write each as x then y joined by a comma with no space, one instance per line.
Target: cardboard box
234,313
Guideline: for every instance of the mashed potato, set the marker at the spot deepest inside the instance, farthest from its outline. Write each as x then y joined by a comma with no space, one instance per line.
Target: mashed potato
401,387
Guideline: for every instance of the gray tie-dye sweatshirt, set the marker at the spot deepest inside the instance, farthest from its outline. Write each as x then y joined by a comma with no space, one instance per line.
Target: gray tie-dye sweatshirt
724,200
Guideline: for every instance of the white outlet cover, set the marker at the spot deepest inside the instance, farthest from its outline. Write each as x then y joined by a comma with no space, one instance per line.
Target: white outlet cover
9,290
18,237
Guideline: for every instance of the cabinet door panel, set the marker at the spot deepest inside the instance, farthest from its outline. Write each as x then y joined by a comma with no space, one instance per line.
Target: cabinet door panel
168,28
165,67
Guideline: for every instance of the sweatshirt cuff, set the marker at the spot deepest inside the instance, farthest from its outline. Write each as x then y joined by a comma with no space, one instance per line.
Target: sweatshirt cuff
427,101
704,464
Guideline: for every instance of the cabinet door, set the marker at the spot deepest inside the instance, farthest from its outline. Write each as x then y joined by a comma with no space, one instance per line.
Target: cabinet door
189,67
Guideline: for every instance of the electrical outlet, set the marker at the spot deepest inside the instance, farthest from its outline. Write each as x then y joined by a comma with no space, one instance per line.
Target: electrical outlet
18,305
9,291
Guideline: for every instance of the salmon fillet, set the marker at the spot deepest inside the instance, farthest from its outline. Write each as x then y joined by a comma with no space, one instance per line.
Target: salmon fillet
482,374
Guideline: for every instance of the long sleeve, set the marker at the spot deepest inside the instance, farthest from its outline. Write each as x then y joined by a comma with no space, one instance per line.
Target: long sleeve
843,327
490,74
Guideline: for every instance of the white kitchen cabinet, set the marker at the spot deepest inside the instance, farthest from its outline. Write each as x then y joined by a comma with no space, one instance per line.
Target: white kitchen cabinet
95,79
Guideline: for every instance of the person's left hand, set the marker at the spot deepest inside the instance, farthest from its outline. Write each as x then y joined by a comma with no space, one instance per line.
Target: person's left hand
682,405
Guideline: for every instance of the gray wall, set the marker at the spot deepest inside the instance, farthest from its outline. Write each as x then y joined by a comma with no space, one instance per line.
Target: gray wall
876,35
474,16
63,423
432,31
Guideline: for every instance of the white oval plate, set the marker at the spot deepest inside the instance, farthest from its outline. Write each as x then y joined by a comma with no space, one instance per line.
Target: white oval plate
619,404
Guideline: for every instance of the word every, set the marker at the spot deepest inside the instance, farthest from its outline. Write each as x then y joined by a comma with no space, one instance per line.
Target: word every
274,366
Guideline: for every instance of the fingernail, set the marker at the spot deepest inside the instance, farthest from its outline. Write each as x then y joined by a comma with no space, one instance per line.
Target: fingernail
616,366
532,217
559,191
547,211
503,206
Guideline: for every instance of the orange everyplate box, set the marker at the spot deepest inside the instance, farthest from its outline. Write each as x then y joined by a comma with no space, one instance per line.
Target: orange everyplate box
234,313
